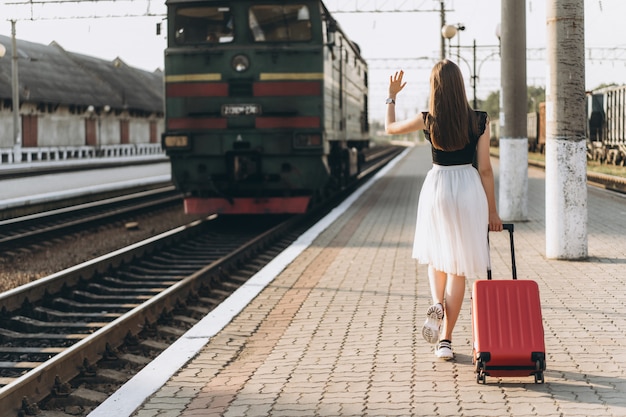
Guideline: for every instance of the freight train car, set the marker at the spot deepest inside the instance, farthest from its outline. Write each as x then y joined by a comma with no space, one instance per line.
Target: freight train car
266,105
607,125
536,129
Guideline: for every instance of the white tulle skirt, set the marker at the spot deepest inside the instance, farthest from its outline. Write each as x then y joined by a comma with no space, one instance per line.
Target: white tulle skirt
452,222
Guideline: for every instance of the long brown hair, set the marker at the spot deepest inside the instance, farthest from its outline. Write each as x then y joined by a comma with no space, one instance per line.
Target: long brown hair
450,117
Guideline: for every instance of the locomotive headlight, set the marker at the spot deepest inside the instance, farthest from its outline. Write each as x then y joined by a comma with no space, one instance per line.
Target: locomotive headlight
240,63
175,141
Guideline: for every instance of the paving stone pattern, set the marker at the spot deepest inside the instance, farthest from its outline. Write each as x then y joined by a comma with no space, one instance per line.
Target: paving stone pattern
337,333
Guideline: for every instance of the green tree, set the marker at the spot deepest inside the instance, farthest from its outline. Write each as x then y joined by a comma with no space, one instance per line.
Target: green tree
492,105
536,95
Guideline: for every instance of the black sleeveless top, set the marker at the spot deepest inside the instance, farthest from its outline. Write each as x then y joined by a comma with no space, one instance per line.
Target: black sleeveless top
462,156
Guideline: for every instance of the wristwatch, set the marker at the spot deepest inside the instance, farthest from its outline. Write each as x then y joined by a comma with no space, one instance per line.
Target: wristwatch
390,101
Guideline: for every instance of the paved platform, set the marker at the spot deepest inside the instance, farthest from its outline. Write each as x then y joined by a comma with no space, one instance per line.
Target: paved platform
337,331
40,186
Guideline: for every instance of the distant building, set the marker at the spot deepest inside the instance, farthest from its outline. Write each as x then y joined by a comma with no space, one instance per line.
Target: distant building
73,100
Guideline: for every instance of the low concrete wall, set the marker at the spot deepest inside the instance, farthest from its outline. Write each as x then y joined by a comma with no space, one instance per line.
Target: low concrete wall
64,153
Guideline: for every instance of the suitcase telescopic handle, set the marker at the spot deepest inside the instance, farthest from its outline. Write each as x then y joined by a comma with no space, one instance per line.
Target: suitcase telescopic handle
509,227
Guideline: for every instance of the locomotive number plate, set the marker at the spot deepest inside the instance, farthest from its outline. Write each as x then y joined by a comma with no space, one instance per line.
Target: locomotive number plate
240,109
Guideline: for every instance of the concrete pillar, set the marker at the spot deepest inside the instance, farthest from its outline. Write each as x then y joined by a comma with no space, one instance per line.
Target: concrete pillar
513,179
566,154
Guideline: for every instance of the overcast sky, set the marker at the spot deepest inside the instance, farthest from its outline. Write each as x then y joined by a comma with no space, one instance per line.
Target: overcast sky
383,38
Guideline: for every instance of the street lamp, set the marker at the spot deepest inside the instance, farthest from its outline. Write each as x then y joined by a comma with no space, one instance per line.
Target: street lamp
17,150
449,31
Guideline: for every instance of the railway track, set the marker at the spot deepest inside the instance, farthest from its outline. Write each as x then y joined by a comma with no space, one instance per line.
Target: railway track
68,340
596,179
608,182
22,231
83,315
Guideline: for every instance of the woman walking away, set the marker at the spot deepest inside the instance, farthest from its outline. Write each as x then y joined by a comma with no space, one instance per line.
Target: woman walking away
457,201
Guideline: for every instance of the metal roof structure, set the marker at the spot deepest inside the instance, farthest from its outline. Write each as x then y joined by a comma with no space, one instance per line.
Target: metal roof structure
48,74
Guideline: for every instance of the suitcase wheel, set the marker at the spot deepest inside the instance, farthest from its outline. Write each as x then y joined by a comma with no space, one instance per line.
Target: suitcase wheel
539,378
540,366
481,375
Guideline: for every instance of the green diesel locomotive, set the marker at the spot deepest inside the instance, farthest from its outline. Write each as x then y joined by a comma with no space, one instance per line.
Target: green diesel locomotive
266,105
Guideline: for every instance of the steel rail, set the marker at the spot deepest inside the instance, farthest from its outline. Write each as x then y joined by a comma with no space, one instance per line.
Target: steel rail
20,230
38,383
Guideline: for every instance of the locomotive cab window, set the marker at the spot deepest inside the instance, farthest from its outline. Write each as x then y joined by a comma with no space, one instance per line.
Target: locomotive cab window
274,23
208,25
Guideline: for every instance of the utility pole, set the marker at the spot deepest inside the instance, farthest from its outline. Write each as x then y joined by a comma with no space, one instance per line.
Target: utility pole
566,153
513,185
443,23
474,74
17,140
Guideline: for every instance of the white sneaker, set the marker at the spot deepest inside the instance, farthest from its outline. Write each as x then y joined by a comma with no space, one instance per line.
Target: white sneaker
444,350
430,330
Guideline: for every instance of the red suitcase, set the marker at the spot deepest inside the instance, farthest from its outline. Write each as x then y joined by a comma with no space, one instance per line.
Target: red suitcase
507,327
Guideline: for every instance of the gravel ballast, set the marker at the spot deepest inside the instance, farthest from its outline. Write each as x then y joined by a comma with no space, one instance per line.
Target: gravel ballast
24,265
